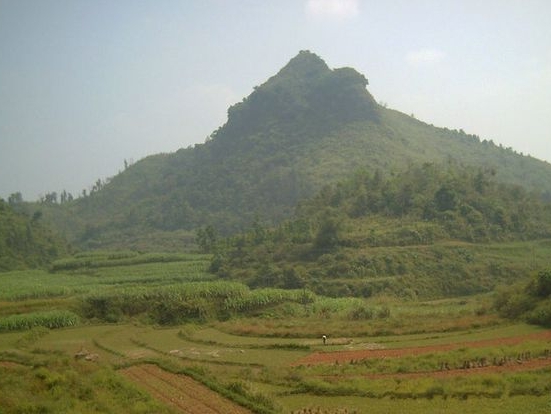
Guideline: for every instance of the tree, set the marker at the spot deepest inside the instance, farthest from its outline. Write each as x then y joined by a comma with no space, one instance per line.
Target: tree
328,234
544,283
206,239
15,198
50,198
258,231
445,198
293,279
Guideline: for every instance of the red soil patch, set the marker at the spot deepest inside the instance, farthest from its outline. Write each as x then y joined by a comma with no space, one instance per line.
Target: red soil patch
9,364
181,392
358,355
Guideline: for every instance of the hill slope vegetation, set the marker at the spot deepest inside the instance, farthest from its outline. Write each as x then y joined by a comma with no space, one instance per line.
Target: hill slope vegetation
426,232
305,127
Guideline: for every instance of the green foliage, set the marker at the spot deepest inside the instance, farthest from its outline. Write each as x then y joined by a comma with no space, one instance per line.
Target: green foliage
26,242
49,319
168,304
54,384
91,260
199,301
448,195
206,239
263,298
543,283
530,301
328,234
428,231
462,388
304,128
88,273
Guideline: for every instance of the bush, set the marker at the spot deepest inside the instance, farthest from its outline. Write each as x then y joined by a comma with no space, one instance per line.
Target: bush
541,315
513,302
531,302
543,283
361,312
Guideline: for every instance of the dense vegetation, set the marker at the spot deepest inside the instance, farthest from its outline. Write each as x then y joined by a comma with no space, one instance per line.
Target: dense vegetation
528,300
303,128
427,231
26,241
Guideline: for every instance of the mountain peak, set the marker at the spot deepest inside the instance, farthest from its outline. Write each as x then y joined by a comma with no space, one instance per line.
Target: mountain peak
306,64
305,93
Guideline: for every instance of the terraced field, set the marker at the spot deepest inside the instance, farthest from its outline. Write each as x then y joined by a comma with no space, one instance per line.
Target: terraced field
543,360
181,392
237,350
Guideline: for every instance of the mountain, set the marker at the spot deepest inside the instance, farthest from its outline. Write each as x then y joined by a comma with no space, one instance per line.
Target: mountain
303,128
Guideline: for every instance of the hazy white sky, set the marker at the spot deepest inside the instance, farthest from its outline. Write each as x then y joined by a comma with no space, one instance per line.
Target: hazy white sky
86,84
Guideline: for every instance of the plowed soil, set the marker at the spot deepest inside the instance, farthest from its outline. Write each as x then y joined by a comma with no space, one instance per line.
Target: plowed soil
180,392
346,356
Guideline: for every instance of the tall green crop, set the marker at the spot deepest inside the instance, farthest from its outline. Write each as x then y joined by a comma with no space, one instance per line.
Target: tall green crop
49,319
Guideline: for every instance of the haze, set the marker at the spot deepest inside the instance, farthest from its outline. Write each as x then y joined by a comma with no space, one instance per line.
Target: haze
86,85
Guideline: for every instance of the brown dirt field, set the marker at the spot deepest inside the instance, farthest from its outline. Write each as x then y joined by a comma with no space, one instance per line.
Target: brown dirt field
346,356
181,392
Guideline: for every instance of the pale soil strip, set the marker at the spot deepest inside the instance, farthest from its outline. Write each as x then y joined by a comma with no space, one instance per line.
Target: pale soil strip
345,356
181,392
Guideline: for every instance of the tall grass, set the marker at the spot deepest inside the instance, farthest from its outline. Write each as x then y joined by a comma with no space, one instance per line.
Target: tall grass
262,298
50,319
460,387
106,259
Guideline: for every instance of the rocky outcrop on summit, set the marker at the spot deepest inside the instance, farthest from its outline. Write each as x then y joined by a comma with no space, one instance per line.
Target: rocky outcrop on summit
305,89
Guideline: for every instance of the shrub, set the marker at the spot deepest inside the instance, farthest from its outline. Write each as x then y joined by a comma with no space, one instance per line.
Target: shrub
543,283
541,315
361,312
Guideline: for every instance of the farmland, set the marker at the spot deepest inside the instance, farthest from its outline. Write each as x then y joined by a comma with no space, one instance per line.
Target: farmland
135,333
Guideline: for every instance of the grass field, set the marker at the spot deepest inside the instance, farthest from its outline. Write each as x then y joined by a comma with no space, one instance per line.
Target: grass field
381,355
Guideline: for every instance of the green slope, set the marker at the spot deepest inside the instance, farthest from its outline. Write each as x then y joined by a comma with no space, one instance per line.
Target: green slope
303,128
427,231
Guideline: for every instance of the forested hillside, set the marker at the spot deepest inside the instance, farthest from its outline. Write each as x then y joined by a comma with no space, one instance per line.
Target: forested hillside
428,231
25,241
305,127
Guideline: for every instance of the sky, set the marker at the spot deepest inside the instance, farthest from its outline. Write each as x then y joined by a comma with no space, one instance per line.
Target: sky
86,85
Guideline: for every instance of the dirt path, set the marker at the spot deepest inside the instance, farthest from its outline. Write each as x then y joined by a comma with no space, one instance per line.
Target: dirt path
358,355
181,392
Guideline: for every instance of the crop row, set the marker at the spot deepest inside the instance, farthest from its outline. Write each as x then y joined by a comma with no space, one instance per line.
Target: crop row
261,298
36,284
485,385
165,304
87,262
169,304
48,319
